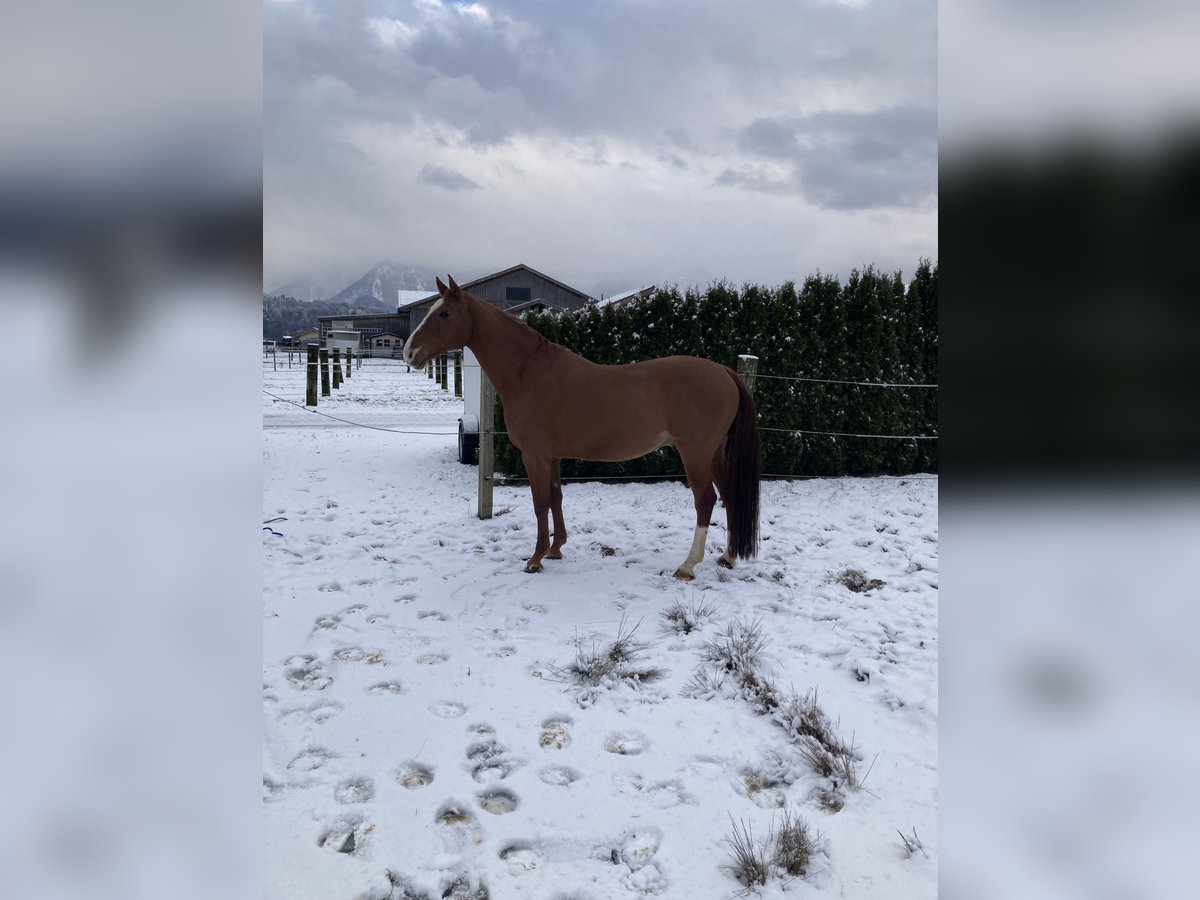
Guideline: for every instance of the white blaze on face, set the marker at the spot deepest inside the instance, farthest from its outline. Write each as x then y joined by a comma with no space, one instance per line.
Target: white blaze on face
411,343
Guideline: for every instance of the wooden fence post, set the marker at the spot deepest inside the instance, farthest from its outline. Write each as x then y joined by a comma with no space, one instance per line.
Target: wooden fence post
747,369
310,396
349,361
337,367
324,371
458,358
429,368
445,358
487,456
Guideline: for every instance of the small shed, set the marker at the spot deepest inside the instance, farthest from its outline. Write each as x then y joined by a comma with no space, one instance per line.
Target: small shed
385,344
342,340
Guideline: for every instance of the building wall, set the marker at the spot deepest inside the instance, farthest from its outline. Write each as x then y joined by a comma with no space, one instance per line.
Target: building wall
495,292
368,326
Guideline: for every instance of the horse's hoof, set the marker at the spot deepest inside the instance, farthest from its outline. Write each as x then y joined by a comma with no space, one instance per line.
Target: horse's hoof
684,576
724,562
554,554
533,568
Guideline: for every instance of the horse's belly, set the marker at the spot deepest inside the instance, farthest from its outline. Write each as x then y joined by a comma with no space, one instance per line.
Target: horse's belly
612,445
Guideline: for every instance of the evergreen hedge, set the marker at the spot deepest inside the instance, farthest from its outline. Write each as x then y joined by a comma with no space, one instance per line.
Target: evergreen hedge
872,328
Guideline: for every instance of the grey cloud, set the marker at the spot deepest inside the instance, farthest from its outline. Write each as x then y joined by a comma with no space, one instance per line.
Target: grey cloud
845,160
439,176
597,84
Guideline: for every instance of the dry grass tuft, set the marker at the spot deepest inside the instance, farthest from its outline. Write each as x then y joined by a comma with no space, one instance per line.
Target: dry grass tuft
681,618
912,844
854,580
788,850
622,660
794,846
751,863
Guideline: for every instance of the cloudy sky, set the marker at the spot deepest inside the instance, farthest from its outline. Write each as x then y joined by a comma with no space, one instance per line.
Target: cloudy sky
609,144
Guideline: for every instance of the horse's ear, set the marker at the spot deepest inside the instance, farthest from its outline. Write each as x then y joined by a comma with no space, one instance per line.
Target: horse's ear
454,288
441,287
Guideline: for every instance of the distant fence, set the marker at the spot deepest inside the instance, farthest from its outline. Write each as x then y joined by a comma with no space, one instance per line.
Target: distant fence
330,371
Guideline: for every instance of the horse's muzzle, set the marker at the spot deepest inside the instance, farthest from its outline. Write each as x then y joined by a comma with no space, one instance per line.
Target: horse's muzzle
414,357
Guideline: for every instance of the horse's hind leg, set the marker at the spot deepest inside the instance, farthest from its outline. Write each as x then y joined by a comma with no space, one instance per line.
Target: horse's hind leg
540,484
560,528
700,479
720,476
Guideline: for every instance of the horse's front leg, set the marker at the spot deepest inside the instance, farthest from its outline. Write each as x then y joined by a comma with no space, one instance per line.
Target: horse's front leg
540,484
560,527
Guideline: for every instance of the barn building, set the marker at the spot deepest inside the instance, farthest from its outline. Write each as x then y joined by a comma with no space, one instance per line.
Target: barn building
516,290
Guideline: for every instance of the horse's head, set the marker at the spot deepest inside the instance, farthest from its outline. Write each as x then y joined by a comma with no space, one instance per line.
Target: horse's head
447,326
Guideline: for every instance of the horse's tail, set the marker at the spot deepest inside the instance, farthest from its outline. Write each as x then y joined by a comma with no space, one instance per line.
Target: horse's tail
743,465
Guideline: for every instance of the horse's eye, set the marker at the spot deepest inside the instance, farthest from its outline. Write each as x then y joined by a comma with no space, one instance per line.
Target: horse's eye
443,314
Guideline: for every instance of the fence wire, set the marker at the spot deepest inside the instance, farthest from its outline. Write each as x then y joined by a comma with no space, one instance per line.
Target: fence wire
795,431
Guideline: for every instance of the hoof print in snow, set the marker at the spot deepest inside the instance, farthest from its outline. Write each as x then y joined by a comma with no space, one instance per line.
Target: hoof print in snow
310,759
638,847
414,775
358,790
626,743
490,761
432,659
272,790
498,802
386,687
554,734
461,888
346,836
521,857
454,814
306,674
448,709
558,776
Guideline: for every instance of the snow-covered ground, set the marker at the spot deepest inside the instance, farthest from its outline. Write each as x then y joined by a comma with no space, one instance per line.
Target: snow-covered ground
423,733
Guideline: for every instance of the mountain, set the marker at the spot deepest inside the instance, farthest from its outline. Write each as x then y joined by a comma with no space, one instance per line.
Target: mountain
382,282
309,288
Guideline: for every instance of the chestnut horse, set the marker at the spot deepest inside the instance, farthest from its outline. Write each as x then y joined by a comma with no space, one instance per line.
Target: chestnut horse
559,405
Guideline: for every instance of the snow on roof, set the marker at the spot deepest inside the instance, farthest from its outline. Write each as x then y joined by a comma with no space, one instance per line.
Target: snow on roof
628,295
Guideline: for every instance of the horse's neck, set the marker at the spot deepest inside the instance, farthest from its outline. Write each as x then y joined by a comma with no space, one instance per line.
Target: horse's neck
503,346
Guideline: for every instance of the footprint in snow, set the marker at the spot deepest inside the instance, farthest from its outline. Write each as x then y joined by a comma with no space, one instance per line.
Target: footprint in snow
558,776
498,801
432,659
521,856
626,743
414,775
317,714
357,654
310,759
488,760
447,709
358,790
554,734
431,614
306,674
667,794
639,846
346,835
386,687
